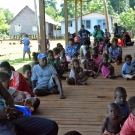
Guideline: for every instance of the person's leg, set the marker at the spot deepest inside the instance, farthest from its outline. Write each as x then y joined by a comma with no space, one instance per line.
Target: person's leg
70,80
59,85
31,125
24,52
7,128
35,102
28,52
42,92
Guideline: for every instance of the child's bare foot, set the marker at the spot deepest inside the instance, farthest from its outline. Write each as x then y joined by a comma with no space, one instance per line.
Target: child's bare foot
62,96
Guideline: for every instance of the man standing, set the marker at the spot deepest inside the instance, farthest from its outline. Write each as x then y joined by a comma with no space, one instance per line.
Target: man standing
44,78
83,32
120,31
26,48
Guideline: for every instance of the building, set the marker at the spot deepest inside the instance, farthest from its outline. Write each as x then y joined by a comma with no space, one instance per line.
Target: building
89,21
25,22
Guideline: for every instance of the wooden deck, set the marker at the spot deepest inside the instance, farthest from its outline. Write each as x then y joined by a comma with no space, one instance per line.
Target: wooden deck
85,107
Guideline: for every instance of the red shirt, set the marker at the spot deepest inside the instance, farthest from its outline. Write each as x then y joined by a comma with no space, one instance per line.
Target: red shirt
18,82
129,126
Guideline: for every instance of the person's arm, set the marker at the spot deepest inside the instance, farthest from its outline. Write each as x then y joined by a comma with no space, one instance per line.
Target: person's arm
103,126
98,70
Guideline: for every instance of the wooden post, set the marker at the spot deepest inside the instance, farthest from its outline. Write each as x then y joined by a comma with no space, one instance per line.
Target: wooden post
81,11
106,14
76,20
66,22
42,25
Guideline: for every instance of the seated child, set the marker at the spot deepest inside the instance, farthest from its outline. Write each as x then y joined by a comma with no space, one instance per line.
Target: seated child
77,75
112,124
73,133
56,52
107,45
26,71
63,60
129,125
120,99
60,47
34,54
56,63
12,68
128,68
84,49
89,65
99,45
106,68
20,97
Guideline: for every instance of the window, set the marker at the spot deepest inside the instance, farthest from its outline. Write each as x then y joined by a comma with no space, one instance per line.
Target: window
86,23
69,23
102,23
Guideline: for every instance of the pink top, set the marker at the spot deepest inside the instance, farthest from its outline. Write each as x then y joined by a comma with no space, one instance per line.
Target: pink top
129,126
100,48
98,60
105,71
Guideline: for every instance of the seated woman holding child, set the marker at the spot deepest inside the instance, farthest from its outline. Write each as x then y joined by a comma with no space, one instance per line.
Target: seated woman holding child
115,52
71,50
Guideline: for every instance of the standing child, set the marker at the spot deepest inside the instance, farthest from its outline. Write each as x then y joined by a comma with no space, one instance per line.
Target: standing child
89,66
120,99
112,124
129,125
106,68
77,75
128,68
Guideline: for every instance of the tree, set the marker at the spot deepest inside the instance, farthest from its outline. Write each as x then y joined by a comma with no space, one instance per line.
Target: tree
51,3
9,16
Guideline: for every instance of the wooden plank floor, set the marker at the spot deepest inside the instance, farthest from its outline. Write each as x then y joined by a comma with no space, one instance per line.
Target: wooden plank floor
85,107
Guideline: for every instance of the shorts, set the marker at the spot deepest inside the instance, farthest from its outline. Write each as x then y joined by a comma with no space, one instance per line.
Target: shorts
49,86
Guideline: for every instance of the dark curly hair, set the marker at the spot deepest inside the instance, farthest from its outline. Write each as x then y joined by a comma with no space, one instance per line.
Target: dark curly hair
26,67
75,60
86,42
4,76
113,105
5,64
106,55
115,39
73,133
131,103
34,55
121,90
128,56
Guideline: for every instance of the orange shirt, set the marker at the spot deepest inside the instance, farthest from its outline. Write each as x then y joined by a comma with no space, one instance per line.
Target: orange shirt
18,82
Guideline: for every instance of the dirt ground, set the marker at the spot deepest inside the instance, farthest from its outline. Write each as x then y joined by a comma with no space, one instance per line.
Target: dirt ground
13,50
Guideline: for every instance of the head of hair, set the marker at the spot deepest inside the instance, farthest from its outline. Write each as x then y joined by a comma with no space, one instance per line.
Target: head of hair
75,60
82,26
115,39
95,49
12,68
115,24
5,64
26,35
98,26
87,55
4,76
120,90
49,52
58,44
113,105
35,54
95,26
128,56
86,42
131,103
56,51
73,133
106,55
71,39
26,67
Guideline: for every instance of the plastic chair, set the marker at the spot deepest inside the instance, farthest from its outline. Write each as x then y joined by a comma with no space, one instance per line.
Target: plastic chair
23,109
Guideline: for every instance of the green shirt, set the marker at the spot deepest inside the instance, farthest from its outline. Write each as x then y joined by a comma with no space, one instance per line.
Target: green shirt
55,64
99,34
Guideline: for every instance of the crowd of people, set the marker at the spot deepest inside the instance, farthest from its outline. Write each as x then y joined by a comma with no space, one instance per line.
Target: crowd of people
44,76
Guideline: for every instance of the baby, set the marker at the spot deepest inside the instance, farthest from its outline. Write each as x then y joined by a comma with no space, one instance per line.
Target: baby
112,124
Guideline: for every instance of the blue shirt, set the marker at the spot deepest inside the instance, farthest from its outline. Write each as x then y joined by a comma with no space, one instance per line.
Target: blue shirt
26,42
42,75
127,68
115,52
72,50
124,111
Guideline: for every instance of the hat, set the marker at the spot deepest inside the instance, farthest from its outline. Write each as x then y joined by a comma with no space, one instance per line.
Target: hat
41,56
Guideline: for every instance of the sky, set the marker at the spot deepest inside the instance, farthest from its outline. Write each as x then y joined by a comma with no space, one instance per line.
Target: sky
16,6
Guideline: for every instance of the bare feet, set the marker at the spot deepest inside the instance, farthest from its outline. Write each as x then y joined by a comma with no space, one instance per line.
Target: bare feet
62,96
